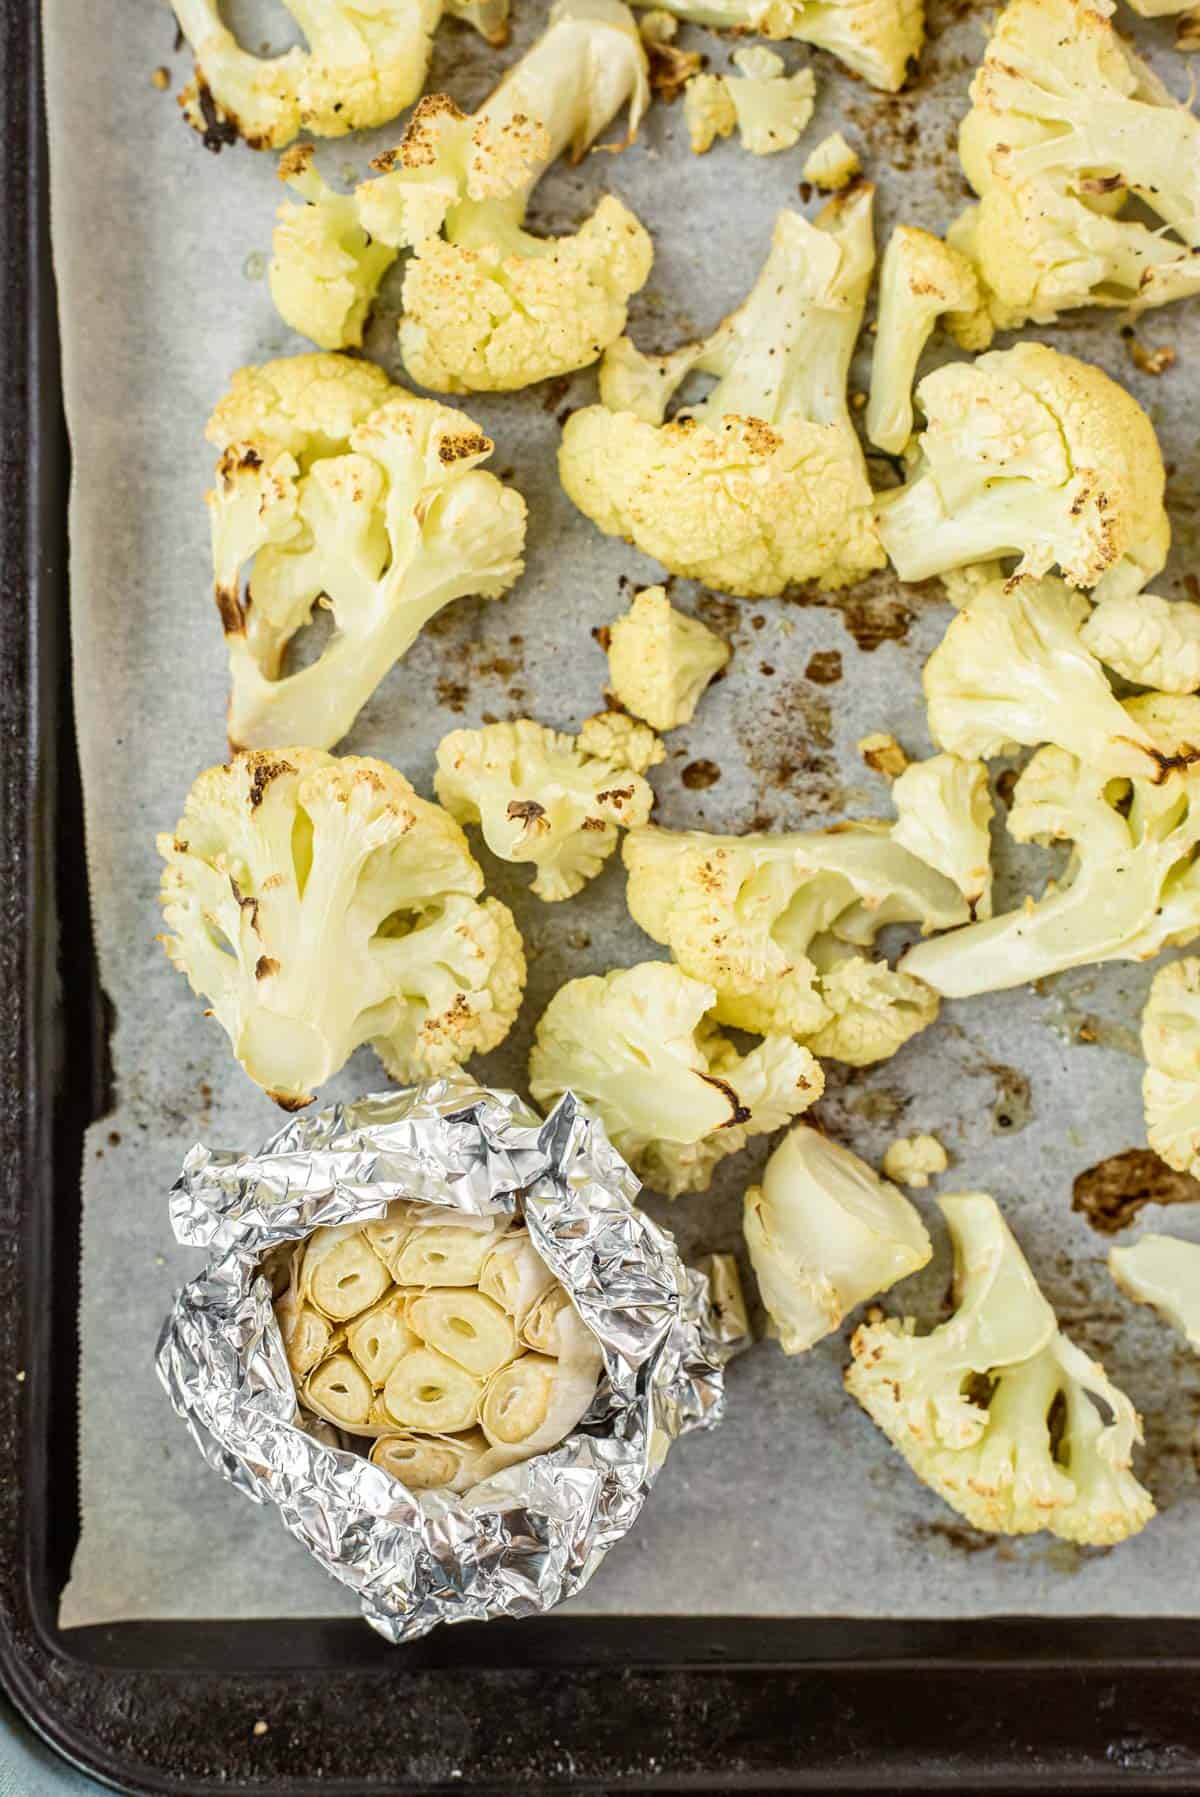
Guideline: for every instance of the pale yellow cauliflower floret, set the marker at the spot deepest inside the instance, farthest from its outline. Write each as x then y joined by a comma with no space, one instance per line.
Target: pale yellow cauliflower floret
365,62
640,1050
971,1405
325,269
1026,452
878,39
833,163
539,797
708,111
915,1160
1067,126
318,904
612,736
1150,641
769,922
825,1234
874,1010
762,486
1171,1082
378,513
477,319
660,661
769,108
487,306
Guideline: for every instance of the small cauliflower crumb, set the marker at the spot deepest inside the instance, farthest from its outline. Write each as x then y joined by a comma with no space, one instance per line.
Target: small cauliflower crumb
883,754
708,111
832,164
769,107
611,736
161,79
660,661
914,1160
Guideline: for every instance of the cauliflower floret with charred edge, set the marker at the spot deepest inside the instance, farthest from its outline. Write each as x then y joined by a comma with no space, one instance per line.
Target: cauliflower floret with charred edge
1132,886
824,1234
660,661
920,280
769,108
1171,1082
365,62
915,1160
1029,453
753,916
763,485
1163,1271
1147,640
640,1049
994,1459
487,306
325,270
943,813
538,797
670,67
1067,125
833,164
1013,668
878,39
379,513
318,904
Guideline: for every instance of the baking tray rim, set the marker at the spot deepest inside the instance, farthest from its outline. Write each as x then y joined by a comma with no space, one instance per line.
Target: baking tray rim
1009,1704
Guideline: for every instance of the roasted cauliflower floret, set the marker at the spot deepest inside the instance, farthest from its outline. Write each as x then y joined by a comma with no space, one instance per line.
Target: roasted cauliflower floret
833,164
318,904
1067,125
764,484
769,108
969,1405
878,39
1171,1082
920,280
639,1048
613,736
1029,453
660,661
915,1160
943,813
873,1009
753,915
325,269
537,796
824,1234
1013,668
1132,886
379,513
1149,641
1163,1271
488,307
366,61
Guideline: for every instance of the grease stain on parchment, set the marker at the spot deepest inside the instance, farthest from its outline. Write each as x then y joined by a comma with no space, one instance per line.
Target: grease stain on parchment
1111,1193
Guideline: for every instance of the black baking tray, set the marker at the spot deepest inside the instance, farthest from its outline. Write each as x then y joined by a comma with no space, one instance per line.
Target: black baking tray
609,1705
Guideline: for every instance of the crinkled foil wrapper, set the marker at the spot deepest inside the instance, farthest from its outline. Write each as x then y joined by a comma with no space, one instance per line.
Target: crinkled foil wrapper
534,1534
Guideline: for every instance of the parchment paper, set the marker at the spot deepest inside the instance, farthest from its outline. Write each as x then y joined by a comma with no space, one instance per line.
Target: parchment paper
797,1504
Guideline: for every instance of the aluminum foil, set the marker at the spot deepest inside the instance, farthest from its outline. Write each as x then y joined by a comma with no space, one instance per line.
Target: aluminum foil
534,1534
